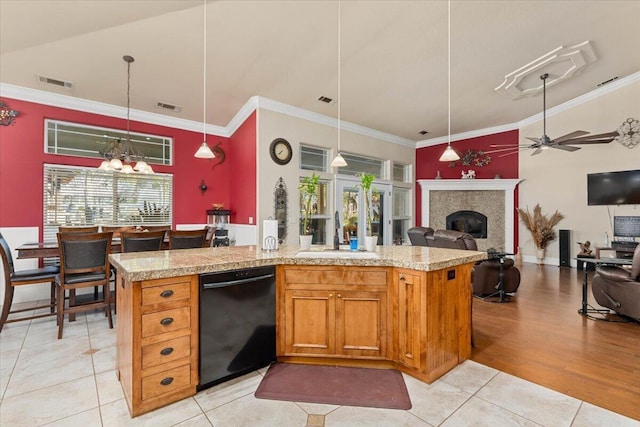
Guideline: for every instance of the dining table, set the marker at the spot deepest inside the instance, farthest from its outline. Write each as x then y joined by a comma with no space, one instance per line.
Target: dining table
50,249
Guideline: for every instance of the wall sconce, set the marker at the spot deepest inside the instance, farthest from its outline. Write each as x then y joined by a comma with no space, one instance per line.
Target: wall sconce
7,115
207,152
203,187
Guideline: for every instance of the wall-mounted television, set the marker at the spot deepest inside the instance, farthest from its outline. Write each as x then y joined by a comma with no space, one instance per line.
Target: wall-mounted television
613,188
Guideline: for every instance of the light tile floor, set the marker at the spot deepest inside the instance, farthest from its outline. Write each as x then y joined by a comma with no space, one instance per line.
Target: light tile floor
71,382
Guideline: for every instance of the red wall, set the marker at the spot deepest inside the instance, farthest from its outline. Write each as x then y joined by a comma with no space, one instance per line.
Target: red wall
22,158
243,164
428,165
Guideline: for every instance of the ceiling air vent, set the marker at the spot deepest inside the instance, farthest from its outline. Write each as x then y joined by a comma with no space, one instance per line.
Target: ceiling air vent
423,132
607,81
55,82
325,99
169,107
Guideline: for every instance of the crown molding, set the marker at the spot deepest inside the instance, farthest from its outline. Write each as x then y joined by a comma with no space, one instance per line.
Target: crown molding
467,135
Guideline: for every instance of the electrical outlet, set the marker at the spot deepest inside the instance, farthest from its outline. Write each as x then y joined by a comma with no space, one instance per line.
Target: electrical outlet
250,220
451,274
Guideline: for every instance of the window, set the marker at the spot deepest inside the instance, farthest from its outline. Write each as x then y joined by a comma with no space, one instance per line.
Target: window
72,139
401,172
313,159
87,196
357,164
319,214
401,214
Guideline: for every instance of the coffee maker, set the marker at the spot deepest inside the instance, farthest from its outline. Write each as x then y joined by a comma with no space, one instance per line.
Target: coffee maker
220,219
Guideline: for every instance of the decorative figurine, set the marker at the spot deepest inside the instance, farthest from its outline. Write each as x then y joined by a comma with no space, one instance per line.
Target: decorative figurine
584,248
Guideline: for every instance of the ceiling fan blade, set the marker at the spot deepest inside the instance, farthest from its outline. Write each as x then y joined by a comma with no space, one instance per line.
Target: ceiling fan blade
570,136
565,147
536,140
537,151
509,154
500,150
602,138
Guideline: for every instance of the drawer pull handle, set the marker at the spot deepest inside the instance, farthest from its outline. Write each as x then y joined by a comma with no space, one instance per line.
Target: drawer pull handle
167,381
402,277
166,294
166,351
166,321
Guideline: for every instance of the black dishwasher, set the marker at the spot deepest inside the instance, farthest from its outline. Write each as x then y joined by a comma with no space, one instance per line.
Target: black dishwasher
237,323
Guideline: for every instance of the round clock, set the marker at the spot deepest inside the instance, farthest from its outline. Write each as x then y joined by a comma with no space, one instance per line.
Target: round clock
280,151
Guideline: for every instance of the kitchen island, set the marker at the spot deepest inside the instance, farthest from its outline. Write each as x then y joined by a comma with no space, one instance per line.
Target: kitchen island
404,307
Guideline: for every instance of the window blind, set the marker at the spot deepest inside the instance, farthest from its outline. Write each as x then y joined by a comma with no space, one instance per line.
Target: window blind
75,196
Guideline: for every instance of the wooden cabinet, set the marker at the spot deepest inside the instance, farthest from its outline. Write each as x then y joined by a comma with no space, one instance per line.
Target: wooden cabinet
409,286
157,341
333,311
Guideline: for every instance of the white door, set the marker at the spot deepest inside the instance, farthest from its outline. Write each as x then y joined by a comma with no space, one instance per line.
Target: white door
350,203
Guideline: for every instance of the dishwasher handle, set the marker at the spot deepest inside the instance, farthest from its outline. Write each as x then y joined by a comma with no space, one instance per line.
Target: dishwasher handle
224,284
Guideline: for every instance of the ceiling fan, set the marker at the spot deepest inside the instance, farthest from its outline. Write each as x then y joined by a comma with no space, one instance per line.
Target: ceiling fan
565,142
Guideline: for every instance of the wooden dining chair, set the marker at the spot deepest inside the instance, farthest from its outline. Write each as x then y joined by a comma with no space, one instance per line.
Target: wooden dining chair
84,262
139,241
13,278
89,229
187,239
117,230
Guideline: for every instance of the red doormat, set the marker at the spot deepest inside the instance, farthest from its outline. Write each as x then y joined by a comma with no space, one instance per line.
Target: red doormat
335,385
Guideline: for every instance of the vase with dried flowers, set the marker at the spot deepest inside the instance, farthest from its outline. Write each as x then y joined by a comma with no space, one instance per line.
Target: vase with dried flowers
541,227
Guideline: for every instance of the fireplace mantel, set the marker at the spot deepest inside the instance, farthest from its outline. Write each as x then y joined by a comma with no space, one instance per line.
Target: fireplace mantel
506,185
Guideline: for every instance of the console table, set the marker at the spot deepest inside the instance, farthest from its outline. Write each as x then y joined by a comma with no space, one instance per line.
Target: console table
585,309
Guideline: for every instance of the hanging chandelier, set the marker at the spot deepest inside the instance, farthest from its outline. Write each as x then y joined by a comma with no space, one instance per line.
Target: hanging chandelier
121,154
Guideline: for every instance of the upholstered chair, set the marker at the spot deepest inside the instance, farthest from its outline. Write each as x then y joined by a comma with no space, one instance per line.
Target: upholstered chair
187,239
618,288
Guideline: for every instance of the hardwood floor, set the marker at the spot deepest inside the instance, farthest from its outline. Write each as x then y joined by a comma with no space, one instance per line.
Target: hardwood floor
540,337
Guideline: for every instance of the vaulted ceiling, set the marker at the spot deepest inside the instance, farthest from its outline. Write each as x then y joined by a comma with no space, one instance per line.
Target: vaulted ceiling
388,65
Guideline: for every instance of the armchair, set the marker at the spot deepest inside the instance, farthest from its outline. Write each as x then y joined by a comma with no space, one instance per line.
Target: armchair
418,235
618,288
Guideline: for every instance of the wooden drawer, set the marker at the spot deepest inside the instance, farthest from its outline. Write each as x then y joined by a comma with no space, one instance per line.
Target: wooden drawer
336,276
164,321
166,382
166,293
166,351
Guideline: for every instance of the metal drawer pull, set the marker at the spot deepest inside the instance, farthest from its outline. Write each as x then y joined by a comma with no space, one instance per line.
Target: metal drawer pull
166,351
166,321
167,381
166,294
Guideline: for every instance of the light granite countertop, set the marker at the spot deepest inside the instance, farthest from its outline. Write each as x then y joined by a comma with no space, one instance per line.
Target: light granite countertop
161,264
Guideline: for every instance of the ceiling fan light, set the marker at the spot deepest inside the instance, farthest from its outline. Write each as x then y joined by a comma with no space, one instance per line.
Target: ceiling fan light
204,152
449,155
338,161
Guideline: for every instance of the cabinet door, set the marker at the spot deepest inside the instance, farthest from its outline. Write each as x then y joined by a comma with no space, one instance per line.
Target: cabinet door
309,322
409,299
361,323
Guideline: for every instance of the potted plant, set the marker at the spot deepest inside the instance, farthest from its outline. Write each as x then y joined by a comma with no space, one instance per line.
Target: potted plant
541,227
366,181
308,190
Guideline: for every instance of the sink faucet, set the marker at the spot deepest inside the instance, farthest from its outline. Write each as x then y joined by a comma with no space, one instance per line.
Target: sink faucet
336,239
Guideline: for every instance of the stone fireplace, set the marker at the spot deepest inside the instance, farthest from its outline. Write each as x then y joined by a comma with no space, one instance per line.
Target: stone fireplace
489,198
472,222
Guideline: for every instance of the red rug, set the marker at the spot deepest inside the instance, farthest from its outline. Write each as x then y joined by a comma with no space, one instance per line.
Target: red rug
377,388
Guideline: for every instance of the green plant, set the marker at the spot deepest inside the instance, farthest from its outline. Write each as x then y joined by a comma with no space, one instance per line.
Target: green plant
308,189
366,181
151,212
540,226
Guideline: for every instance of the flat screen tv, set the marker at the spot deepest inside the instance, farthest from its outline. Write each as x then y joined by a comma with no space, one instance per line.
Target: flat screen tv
613,188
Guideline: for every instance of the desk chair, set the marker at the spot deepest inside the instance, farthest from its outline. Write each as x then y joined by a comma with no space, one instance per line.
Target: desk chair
84,262
14,278
187,239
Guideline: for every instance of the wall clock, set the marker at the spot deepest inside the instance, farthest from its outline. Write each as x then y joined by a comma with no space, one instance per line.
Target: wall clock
280,151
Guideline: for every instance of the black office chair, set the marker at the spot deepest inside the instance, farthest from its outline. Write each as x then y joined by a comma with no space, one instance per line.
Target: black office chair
14,278
187,239
84,262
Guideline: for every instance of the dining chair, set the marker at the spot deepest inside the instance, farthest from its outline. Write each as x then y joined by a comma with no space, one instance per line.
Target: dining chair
13,278
117,230
187,239
89,229
139,241
84,262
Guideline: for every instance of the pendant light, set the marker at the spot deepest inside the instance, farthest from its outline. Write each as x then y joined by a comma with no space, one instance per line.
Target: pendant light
204,152
449,154
339,161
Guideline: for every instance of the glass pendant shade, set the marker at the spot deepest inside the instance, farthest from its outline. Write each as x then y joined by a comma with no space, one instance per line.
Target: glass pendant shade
127,169
338,161
204,152
449,155
105,165
140,166
115,164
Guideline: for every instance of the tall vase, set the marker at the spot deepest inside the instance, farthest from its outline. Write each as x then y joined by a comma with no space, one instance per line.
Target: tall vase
305,242
540,256
370,243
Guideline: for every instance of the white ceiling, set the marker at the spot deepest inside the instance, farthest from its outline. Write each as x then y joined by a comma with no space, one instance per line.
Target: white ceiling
393,55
